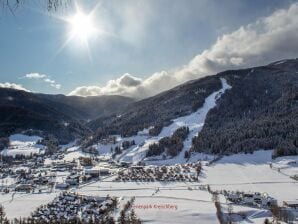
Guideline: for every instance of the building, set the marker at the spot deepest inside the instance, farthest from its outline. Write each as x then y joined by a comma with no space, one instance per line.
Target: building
104,172
62,186
291,204
73,179
24,187
92,172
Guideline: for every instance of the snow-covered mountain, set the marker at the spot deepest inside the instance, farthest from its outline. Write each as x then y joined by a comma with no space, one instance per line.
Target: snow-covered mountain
260,111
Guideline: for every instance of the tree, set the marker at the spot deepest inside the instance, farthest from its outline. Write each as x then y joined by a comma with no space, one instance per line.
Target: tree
122,217
186,155
133,218
266,221
51,5
3,219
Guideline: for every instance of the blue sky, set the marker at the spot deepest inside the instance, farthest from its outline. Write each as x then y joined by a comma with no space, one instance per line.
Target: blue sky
144,37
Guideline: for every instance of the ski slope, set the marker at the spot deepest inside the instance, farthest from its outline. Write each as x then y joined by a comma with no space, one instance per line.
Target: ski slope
194,122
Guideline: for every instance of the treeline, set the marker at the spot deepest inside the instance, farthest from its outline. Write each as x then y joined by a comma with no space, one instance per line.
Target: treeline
172,146
4,143
128,215
259,112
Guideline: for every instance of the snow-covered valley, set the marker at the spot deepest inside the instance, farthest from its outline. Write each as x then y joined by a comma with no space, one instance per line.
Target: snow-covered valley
172,200
189,201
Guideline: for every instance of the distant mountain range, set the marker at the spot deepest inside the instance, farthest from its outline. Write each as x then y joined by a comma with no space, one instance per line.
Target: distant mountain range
62,116
260,111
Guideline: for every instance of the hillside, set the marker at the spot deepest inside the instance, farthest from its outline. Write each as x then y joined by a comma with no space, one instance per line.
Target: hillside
59,115
159,110
260,111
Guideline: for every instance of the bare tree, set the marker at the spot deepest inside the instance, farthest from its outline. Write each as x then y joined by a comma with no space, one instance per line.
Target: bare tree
50,5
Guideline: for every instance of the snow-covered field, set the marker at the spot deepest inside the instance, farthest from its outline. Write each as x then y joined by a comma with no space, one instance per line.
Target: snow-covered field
23,145
252,172
21,205
187,202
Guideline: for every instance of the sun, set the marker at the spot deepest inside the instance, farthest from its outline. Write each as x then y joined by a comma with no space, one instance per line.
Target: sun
83,29
82,26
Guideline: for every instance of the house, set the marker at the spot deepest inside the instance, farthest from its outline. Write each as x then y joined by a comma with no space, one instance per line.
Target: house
291,204
137,167
62,186
92,172
24,187
233,197
248,198
104,172
125,164
73,179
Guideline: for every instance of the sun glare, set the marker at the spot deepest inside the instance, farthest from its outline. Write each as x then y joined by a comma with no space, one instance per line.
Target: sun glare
82,26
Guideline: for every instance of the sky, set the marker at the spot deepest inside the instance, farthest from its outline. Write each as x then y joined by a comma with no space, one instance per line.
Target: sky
139,48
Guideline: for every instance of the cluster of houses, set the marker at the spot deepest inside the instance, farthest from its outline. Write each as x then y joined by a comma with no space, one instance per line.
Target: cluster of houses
77,177
179,172
35,175
253,199
69,207
25,179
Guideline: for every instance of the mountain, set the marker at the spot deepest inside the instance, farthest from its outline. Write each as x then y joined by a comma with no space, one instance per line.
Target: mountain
62,116
159,110
259,111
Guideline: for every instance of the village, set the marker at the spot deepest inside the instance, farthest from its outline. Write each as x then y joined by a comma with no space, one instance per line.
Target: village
78,178
68,207
179,172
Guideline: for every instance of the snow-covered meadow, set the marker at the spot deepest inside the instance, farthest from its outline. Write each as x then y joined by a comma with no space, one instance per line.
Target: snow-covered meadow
23,145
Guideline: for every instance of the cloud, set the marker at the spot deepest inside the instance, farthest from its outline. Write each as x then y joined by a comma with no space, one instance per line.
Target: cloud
121,86
268,39
13,86
44,78
35,76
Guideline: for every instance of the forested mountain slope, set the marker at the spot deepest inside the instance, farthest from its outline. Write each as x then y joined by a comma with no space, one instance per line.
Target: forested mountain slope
260,111
60,115
158,110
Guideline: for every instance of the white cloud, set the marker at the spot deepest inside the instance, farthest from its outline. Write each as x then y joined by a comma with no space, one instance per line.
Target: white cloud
268,39
35,76
44,78
121,86
13,86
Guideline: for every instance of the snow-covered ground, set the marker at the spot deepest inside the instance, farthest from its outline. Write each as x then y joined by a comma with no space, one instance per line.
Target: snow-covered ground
189,203
23,145
21,205
287,165
186,202
251,172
